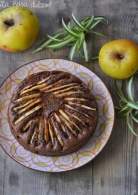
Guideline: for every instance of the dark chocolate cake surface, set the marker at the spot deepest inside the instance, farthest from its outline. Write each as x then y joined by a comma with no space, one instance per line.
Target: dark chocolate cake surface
52,113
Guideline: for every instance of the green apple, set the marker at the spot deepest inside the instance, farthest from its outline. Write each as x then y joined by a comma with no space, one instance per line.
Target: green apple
119,58
19,28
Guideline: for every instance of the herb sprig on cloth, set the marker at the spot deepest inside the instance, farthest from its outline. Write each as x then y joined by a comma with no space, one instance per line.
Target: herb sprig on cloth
73,35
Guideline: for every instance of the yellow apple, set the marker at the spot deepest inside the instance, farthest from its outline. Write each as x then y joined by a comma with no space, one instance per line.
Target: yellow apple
19,28
119,58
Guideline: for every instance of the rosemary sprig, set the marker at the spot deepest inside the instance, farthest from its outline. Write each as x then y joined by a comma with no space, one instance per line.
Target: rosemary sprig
128,106
73,35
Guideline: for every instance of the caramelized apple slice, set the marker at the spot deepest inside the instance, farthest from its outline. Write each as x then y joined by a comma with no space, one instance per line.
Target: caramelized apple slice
22,117
27,87
43,80
69,93
33,88
68,124
52,85
33,85
27,97
75,117
63,113
57,132
75,109
60,123
75,98
61,87
46,130
34,138
82,105
29,106
66,89
40,125
24,129
24,104
51,132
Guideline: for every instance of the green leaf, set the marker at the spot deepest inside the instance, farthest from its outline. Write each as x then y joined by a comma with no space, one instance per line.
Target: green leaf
95,24
72,51
69,24
85,51
44,45
60,45
89,23
78,23
66,37
132,105
101,18
125,108
85,20
134,118
80,41
130,125
118,85
135,113
72,35
98,34
129,89
53,38
71,32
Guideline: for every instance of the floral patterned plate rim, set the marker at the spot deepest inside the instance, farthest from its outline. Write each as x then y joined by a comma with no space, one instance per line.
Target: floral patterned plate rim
70,161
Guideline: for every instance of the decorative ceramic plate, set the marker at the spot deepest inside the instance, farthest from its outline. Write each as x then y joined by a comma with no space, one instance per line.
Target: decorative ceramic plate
70,161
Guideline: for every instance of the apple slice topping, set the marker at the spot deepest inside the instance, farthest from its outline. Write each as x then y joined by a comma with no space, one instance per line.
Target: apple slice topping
30,112
68,105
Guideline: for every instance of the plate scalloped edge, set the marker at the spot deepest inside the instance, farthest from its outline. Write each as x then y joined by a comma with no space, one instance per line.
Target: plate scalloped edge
70,161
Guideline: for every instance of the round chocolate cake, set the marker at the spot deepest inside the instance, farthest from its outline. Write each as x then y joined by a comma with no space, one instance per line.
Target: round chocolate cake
52,113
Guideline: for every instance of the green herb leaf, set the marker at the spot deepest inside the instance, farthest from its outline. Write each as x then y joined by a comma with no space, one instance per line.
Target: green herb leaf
132,105
71,32
129,89
53,38
118,85
127,106
78,23
61,44
72,35
130,125
72,51
85,51
134,118
44,45
90,22
80,41
95,24
97,33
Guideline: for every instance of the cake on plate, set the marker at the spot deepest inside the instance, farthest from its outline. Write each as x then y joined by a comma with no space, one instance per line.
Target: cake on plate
52,113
